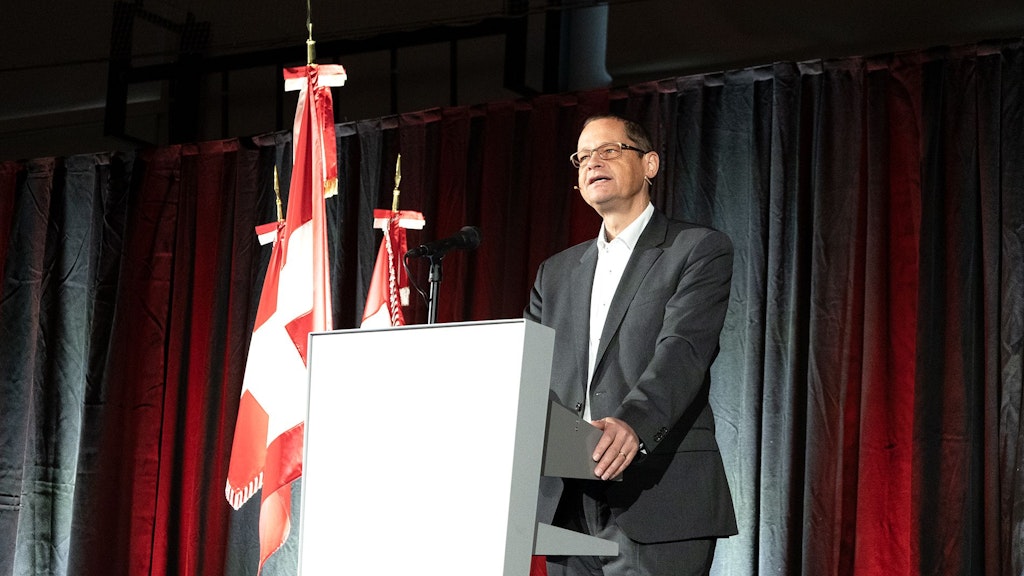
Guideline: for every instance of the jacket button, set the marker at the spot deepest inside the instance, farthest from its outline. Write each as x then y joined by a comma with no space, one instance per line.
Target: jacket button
579,407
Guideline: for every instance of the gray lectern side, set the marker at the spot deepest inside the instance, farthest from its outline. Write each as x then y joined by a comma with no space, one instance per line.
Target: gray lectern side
423,450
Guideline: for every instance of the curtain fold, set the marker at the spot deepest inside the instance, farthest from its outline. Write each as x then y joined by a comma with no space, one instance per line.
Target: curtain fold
868,391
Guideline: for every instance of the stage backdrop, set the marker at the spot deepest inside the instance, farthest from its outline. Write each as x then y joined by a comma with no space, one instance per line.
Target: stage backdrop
868,391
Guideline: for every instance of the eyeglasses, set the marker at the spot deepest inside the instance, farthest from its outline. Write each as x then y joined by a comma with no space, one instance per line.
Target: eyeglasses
606,151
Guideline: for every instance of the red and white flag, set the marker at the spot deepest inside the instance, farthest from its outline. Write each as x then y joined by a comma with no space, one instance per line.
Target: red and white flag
295,300
389,285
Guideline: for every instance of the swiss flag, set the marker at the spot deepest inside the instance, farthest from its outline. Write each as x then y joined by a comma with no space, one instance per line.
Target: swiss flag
389,285
295,300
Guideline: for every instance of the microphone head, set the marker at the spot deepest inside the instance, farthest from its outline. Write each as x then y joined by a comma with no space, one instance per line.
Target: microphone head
470,236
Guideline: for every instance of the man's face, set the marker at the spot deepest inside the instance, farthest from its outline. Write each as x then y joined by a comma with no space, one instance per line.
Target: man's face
615,185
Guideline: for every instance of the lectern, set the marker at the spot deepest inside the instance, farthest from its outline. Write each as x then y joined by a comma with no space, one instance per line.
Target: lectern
423,451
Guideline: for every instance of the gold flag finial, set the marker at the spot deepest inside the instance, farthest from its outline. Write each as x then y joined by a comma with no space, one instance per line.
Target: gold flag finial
398,179
310,44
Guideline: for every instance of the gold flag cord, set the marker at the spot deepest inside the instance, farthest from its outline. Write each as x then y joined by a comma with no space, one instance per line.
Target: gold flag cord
277,195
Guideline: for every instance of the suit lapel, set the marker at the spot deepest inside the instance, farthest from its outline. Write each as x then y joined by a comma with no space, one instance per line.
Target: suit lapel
645,254
584,276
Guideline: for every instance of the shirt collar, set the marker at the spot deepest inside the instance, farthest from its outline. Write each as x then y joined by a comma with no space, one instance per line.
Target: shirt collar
632,232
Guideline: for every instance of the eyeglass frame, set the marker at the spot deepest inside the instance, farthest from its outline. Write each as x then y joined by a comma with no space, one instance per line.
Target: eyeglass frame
575,161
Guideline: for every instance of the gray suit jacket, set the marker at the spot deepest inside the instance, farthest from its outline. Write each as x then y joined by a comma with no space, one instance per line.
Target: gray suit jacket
658,342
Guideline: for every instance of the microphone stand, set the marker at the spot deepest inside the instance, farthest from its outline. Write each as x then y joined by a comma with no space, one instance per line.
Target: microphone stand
467,239
435,283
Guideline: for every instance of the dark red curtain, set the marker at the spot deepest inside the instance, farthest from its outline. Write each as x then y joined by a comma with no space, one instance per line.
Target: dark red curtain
869,388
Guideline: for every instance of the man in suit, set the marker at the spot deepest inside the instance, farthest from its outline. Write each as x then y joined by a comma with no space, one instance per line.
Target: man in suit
637,315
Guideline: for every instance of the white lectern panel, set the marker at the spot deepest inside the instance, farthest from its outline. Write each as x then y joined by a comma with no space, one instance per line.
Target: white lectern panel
414,459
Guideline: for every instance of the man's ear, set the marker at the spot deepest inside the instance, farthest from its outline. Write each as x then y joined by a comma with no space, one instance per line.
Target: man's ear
652,163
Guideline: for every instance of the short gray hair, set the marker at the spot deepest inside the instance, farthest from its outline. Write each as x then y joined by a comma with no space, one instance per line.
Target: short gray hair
634,131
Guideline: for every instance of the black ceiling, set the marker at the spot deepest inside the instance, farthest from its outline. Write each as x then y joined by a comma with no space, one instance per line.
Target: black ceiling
404,55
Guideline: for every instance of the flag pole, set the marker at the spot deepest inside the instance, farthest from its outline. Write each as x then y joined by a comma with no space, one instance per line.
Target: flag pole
398,179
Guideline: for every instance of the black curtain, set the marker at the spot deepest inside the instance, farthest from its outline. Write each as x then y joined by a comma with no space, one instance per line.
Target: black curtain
868,392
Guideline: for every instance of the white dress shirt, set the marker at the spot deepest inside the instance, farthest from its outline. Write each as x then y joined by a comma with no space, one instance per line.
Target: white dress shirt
611,261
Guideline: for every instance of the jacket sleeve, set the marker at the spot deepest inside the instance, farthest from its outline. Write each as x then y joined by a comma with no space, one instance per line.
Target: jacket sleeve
533,308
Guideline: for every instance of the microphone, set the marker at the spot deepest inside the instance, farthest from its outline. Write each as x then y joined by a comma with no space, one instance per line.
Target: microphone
467,239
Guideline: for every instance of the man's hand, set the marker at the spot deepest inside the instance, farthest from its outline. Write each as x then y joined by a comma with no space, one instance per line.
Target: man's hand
616,449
